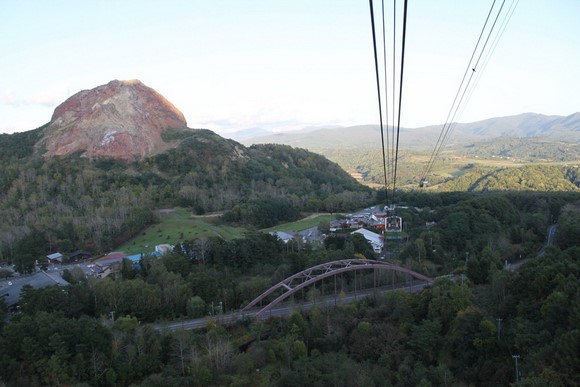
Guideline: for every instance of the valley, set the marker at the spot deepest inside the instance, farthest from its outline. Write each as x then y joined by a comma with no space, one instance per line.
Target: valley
208,224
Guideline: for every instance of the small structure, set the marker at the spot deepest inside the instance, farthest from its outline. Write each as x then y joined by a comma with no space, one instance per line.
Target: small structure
393,224
163,249
80,255
54,258
339,224
110,263
137,258
283,236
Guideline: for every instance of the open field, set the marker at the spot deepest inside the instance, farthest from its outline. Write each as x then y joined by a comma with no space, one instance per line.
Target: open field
303,224
175,226
178,224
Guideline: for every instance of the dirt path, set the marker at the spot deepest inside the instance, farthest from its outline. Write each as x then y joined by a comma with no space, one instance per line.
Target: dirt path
312,216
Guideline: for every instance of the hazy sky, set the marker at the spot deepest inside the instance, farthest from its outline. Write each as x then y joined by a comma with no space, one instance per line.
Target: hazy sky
229,65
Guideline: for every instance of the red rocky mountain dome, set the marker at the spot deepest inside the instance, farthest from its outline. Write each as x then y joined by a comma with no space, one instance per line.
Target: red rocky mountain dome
121,120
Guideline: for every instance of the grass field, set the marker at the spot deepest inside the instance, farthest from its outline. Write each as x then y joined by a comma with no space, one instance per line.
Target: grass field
303,224
175,226
178,224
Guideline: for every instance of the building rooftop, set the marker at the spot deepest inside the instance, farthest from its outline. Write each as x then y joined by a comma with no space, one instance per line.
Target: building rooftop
39,280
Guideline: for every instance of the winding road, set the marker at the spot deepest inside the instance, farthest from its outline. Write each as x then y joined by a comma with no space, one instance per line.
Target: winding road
549,239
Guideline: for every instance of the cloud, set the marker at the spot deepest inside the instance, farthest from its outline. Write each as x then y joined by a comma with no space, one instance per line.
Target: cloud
7,97
45,98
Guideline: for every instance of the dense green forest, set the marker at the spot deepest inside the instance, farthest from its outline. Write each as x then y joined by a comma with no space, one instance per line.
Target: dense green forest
448,334
368,163
528,178
70,203
529,149
461,167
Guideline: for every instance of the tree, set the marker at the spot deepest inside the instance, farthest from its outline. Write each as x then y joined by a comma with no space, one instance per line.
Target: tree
444,300
196,307
324,227
568,226
426,340
219,350
184,351
480,269
72,301
3,311
360,245
421,250
128,272
202,247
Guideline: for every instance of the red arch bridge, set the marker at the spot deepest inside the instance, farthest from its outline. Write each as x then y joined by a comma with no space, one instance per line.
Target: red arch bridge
307,277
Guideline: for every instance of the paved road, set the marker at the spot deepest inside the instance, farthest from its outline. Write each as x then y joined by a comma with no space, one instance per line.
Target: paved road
286,309
549,239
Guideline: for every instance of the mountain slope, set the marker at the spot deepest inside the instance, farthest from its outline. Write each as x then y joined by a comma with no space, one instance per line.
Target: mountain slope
526,125
122,120
72,202
545,178
565,128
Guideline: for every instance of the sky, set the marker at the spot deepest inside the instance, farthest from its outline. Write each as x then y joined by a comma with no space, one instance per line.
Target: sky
283,65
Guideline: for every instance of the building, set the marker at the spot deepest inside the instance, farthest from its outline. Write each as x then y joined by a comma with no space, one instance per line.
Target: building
38,280
80,255
283,236
163,249
110,263
54,258
374,239
393,224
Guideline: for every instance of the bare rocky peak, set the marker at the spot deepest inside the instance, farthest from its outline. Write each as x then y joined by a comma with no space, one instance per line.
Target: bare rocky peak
121,120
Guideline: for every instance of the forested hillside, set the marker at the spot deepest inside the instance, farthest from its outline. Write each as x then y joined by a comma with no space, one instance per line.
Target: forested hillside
70,203
526,125
523,149
461,170
497,142
461,332
528,178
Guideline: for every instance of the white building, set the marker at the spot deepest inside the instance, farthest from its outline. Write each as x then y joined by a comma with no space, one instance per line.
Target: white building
283,236
373,238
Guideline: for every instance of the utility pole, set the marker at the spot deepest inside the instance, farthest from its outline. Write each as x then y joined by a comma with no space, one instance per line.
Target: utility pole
516,357
498,327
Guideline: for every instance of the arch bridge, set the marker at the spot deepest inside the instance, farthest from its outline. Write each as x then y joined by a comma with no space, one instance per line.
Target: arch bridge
307,277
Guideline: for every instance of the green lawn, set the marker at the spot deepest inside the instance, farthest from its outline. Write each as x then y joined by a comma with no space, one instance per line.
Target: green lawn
179,225
311,221
176,226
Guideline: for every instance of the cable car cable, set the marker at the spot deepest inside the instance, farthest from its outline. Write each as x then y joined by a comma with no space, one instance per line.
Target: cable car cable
388,161
453,123
394,89
378,92
400,96
445,128
489,54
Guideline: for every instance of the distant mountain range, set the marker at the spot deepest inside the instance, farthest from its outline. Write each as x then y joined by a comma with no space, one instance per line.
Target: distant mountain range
561,128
